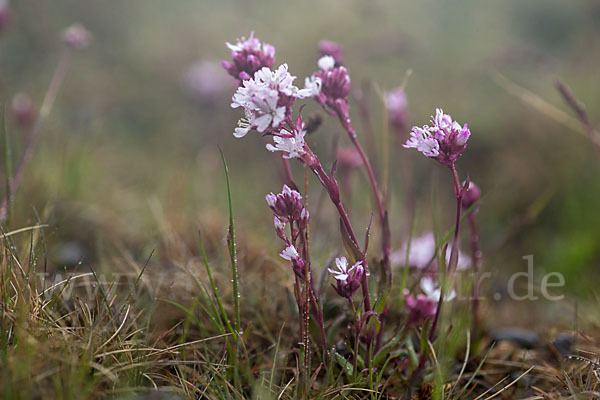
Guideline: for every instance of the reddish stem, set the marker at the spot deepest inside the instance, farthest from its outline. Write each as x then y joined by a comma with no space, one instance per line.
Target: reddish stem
454,253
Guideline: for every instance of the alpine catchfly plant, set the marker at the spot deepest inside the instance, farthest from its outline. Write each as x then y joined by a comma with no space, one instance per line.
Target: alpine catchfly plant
268,96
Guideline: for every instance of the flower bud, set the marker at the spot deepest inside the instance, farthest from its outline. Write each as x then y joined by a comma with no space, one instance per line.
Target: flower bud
471,195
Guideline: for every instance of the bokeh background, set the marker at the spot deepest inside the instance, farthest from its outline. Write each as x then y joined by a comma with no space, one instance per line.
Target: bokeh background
130,152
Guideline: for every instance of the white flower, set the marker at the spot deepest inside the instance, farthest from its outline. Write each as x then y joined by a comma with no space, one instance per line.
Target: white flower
441,120
343,273
312,87
421,139
433,292
290,253
279,223
290,143
260,96
326,62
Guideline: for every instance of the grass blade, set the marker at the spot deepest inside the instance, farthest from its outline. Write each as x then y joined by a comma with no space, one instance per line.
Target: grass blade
232,250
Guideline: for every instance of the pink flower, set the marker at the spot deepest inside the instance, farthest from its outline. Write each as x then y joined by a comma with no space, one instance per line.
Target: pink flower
248,56
445,141
347,279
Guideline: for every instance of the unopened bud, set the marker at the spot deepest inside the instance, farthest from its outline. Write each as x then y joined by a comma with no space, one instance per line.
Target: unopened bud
471,196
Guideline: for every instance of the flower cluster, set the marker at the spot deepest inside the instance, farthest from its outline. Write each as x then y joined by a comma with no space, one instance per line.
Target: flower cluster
334,83
267,100
445,140
347,279
423,306
288,209
248,56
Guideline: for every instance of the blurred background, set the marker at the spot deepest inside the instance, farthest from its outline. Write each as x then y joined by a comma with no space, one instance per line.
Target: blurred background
129,156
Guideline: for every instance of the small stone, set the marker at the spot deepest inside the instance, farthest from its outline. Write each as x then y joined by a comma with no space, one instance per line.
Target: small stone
522,338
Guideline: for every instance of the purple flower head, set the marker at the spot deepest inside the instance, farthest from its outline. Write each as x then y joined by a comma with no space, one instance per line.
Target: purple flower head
347,279
471,195
291,254
267,100
76,37
334,83
396,106
333,49
287,205
445,141
248,56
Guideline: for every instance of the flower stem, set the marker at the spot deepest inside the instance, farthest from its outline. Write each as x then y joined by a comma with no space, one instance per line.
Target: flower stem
454,252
